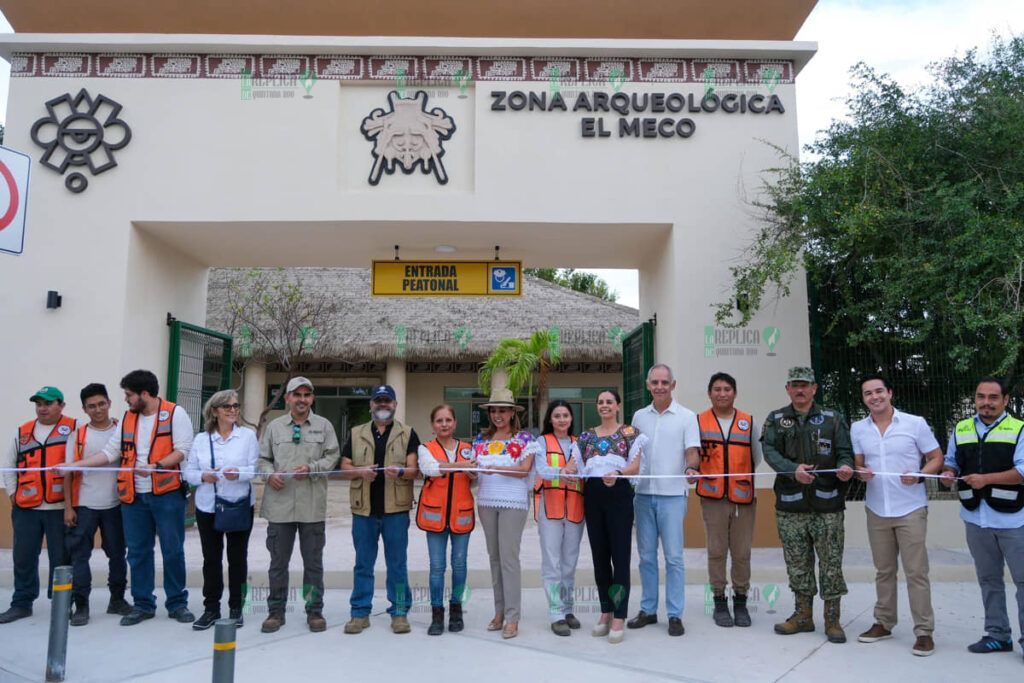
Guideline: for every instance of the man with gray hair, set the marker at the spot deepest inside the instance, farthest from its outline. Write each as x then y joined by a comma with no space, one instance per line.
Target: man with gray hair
297,452
660,504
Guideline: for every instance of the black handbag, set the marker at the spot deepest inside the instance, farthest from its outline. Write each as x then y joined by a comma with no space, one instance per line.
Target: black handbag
229,515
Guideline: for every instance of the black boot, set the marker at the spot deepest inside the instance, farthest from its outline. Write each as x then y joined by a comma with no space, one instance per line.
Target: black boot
436,621
721,615
80,615
739,610
118,605
455,617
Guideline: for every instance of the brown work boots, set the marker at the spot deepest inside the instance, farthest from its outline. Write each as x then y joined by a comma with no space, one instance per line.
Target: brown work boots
802,619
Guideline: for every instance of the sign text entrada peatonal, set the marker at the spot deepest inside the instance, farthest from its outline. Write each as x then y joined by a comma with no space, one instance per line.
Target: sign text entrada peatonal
625,104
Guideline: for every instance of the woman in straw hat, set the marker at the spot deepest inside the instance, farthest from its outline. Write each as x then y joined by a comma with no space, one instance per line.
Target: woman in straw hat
504,502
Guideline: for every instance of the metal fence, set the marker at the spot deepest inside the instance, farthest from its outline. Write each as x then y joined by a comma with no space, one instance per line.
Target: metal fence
924,379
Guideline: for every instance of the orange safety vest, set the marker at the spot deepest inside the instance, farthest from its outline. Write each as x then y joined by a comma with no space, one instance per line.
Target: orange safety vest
76,477
38,486
446,501
720,456
563,498
161,445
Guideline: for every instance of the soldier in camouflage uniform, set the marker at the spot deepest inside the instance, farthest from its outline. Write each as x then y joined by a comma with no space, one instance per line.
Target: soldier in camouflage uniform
798,440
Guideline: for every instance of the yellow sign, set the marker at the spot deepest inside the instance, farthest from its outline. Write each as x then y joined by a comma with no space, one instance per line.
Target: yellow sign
447,278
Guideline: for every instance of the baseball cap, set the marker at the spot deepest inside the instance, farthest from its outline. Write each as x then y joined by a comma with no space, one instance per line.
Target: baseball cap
383,391
296,382
48,394
801,373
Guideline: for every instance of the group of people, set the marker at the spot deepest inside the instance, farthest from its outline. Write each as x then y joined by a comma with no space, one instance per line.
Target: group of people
611,479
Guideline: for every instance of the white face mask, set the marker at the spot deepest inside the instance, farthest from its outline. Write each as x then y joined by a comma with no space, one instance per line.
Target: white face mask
383,415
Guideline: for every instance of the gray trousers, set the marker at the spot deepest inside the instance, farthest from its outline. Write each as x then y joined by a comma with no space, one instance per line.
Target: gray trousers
990,548
559,551
503,529
280,542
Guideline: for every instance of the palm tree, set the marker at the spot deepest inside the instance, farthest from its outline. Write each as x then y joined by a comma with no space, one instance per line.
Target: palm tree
518,359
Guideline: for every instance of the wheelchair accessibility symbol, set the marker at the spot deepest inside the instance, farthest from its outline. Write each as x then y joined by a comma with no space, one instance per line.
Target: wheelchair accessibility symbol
504,279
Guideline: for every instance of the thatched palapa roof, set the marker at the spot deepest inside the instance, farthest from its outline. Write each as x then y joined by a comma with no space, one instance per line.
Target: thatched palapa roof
369,328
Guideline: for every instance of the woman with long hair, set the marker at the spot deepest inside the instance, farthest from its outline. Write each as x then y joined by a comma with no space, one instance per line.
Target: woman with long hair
607,456
503,502
558,511
445,512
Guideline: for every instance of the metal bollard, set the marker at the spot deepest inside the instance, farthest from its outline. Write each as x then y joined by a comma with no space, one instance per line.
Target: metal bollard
224,651
60,611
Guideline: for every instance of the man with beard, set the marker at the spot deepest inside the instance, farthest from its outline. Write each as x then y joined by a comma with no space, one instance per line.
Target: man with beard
381,461
297,452
154,438
986,453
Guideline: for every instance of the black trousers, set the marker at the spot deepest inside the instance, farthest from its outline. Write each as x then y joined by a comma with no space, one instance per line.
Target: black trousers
212,542
609,514
79,542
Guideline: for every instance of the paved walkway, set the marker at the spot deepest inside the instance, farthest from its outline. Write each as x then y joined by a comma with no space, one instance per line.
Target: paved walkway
160,650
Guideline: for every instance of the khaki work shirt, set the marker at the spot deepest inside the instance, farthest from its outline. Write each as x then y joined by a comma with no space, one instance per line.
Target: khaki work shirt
301,500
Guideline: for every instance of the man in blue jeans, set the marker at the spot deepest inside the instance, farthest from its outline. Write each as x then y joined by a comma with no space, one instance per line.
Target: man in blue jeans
154,437
380,459
92,503
660,504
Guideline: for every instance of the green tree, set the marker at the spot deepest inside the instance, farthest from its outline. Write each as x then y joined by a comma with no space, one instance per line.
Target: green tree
577,280
275,318
519,359
908,224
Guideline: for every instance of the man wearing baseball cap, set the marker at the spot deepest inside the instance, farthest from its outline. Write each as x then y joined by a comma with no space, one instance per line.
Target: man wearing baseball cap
297,452
798,440
380,459
37,497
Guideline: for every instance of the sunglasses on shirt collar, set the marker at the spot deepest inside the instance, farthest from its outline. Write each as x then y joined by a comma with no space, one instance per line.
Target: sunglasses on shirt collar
296,433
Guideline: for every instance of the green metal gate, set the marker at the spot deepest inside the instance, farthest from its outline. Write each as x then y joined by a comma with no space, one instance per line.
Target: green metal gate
199,366
637,359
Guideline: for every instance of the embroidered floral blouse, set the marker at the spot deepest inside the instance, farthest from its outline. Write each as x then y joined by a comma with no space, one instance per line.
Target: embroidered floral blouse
601,455
501,490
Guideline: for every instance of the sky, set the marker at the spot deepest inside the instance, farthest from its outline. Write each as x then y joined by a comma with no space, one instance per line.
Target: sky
897,37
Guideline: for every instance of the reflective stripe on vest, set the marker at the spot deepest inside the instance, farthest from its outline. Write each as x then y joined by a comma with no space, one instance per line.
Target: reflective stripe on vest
161,445
561,498
722,456
36,487
446,501
993,452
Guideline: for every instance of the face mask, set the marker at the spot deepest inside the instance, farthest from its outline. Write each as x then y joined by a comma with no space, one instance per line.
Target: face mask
383,415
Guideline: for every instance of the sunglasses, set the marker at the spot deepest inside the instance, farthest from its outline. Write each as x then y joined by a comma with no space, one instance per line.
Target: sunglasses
296,433
230,406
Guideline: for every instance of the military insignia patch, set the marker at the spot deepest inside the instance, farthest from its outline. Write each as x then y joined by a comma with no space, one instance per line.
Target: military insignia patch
786,422
817,420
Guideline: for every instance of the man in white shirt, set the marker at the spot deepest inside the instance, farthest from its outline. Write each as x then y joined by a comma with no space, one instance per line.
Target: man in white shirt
660,504
154,437
91,503
897,508
37,497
